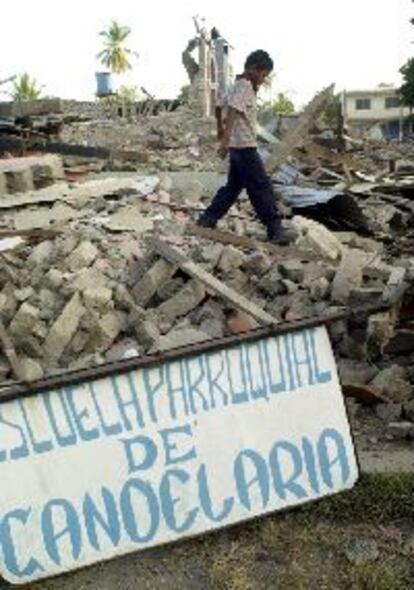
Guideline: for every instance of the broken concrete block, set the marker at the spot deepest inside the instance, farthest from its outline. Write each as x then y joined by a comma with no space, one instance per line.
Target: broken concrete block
87,277
23,294
299,307
380,330
64,329
3,184
24,320
389,412
54,278
315,236
147,333
30,369
191,295
401,430
170,288
409,410
355,372
210,254
82,256
365,295
126,349
392,383
8,303
257,263
231,259
41,254
294,270
99,298
213,328
178,338
348,276
153,279
19,181
272,284
290,286
320,289
129,218
107,331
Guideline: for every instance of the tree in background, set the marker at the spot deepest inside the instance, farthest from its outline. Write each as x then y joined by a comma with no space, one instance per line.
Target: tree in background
129,94
283,105
332,112
25,88
407,88
115,55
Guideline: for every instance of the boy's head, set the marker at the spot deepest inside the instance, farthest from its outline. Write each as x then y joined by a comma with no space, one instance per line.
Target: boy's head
258,66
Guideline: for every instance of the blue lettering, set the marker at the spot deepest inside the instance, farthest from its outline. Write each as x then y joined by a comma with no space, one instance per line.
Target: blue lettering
175,370
64,512
213,380
236,367
18,452
260,390
306,361
284,484
80,415
271,363
333,437
62,440
152,390
109,523
321,376
149,452
170,446
205,498
109,429
168,502
9,552
192,384
38,447
251,460
310,463
151,510
123,404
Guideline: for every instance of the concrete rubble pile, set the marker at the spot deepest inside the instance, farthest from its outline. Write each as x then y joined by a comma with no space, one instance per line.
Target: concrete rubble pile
85,285
169,139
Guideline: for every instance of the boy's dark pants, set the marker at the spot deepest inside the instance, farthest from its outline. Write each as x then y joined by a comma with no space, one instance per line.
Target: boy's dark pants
246,171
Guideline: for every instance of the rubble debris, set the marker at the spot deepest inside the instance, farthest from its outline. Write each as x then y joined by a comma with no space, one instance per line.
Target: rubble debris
211,282
392,384
19,175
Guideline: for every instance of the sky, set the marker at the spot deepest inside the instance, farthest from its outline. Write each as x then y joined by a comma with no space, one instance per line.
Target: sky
353,43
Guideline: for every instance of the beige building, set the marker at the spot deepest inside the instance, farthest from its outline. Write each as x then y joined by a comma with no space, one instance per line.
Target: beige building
377,113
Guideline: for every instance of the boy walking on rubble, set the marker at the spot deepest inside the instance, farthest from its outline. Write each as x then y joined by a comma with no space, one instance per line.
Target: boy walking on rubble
237,135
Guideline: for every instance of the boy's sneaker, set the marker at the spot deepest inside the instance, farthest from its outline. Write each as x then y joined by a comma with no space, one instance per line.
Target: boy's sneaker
282,237
206,222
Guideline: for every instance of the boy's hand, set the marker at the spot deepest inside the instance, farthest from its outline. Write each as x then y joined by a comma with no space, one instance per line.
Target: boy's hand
223,149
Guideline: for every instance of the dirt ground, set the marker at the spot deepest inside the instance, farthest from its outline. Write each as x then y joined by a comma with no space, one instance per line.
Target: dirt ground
362,540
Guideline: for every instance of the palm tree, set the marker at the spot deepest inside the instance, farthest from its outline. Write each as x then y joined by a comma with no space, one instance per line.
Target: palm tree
25,88
114,55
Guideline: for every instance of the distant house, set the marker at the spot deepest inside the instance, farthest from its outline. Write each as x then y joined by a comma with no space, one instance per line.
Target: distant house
377,113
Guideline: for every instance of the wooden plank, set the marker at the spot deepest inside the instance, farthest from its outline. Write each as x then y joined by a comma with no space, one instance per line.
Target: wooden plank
10,352
68,149
226,237
212,283
295,137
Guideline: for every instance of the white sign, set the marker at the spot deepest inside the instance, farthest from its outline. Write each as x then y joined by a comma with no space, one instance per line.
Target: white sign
124,463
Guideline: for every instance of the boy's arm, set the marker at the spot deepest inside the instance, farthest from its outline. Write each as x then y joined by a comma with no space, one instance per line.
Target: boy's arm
227,129
219,121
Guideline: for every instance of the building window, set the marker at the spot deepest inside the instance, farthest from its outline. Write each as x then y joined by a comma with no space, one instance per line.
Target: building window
392,102
363,104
